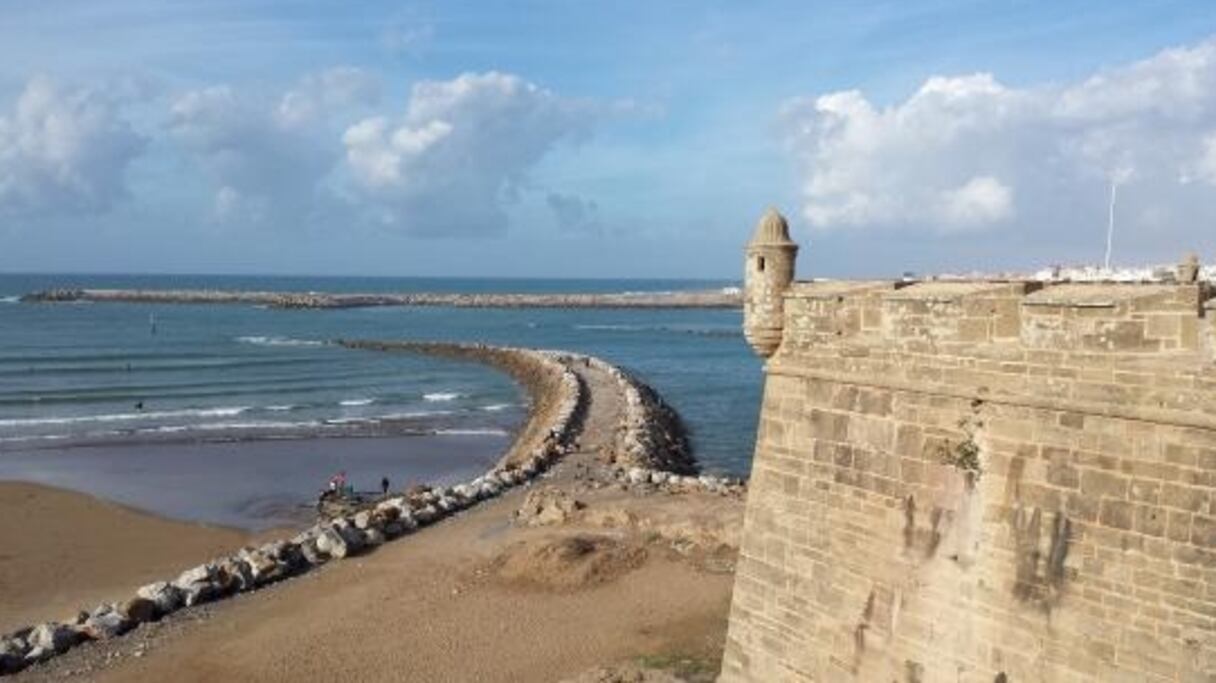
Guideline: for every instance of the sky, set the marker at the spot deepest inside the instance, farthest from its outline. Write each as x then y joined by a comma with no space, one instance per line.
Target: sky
610,139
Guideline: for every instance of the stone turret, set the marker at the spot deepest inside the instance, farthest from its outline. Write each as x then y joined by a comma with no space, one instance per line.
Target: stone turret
767,273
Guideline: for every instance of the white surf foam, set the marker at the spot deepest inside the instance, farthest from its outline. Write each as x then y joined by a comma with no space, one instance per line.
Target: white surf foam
357,402
496,407
125,417
442,396
260,340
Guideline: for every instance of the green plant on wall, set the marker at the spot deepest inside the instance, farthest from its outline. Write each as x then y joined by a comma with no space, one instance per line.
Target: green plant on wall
964,455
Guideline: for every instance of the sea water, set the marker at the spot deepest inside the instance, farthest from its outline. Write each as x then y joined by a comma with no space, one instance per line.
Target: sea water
79,375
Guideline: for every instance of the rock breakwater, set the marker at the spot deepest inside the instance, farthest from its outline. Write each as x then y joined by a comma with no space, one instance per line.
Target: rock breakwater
649,438
724,298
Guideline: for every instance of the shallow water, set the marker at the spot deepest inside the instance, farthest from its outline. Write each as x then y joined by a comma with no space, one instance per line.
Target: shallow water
105,374
251,484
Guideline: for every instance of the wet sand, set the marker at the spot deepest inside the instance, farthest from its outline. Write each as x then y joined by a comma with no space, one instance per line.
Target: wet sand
251,485
61,551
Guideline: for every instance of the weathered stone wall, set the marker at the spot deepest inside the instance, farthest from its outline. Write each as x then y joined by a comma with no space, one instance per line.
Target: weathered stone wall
977,481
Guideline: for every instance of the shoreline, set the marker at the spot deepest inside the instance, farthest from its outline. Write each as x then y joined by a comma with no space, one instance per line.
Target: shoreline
583,418
726,298
59,549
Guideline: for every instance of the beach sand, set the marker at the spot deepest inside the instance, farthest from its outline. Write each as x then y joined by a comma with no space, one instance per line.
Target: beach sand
61,551
477,597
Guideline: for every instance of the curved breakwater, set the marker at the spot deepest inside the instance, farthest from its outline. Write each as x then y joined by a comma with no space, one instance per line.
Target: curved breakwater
649,440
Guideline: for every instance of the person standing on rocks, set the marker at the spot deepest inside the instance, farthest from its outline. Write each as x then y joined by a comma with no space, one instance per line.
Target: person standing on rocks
384,486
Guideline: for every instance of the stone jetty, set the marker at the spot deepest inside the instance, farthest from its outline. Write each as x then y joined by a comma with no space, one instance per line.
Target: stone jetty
649,452
728,297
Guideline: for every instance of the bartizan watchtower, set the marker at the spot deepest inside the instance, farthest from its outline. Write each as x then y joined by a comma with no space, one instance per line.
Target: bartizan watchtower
768,272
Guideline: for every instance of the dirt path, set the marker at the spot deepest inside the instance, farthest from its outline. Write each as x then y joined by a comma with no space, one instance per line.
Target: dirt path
437,606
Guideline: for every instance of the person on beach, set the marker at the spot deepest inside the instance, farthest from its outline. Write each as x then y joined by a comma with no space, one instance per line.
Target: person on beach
384,486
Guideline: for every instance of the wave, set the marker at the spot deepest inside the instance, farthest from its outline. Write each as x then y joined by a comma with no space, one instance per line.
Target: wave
10,299
414,415
279,409
471,432
125,417
278,341
495,407
442,396
357,402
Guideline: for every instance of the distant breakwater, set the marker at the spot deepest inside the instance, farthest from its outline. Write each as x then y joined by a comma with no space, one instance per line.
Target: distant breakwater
724,298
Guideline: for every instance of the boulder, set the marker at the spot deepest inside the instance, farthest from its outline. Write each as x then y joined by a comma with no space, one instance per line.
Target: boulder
140,610
197,584
106,622
235,575
363,519
331,543
310,553
290,557
263,568
373,537
658,477
637,475
166,596
12,655
53,638
354,538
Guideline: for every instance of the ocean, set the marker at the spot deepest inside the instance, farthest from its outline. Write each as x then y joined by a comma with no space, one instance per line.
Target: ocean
88,375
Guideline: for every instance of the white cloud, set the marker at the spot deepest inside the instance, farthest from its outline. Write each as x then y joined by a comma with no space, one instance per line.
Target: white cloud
264,165
64,150
969,153
981,201
320,93
463,148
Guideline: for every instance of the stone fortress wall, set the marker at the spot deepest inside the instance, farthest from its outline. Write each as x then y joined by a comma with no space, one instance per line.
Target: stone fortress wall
980,481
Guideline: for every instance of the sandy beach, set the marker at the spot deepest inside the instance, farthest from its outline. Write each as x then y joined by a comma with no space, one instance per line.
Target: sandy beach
63,551
598,573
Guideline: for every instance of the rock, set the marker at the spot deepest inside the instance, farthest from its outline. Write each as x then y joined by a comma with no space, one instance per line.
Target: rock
373,537
53,637
354,538
107,623
332,543
12,655
263,568
197,585
291,558
425,515
140,610
637,475
658,477
490,489
363,519
235,575
166,596
310,553
393,529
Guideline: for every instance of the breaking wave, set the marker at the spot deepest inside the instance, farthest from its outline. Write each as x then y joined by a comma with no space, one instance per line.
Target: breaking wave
278,341
125,417
442,396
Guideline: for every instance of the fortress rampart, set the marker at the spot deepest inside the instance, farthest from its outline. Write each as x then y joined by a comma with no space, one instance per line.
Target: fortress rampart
982,481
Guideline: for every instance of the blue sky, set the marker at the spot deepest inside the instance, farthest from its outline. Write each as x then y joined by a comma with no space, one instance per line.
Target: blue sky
601,139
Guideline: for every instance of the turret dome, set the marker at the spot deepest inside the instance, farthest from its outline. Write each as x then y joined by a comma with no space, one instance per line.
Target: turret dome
772,229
